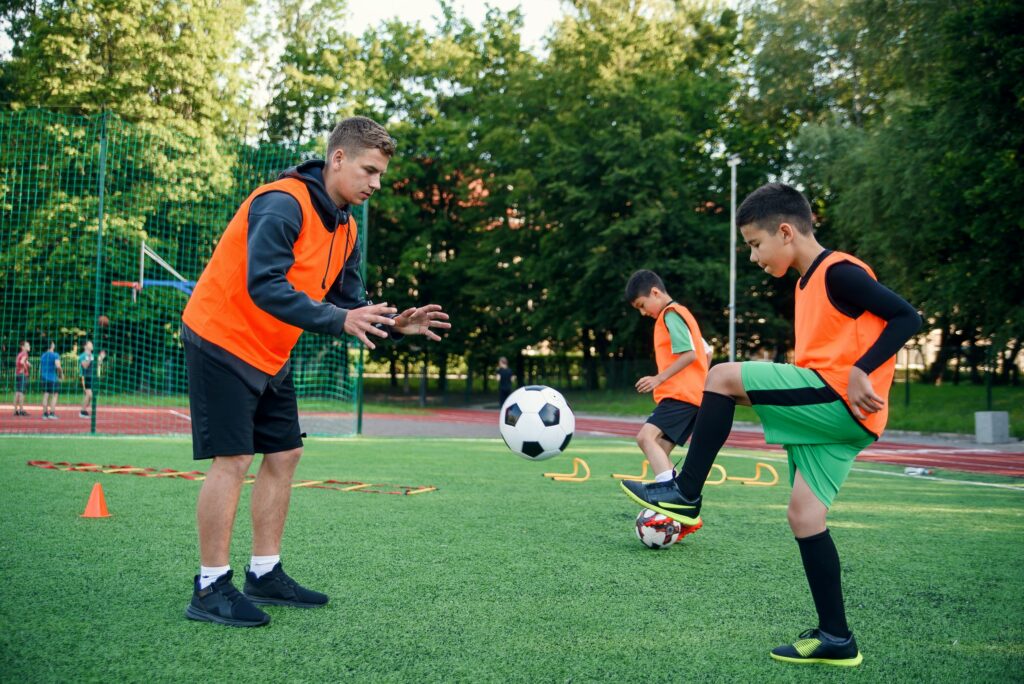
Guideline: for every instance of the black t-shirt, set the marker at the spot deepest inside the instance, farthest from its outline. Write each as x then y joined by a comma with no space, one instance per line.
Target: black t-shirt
505,378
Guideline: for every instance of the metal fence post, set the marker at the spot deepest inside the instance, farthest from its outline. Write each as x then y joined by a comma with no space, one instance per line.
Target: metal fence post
97,285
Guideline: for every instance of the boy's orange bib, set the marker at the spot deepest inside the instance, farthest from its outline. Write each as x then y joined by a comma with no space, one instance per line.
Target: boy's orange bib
830,342
688,384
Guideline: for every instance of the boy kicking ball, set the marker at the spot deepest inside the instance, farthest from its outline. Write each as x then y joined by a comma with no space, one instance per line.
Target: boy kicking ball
683,359
824,409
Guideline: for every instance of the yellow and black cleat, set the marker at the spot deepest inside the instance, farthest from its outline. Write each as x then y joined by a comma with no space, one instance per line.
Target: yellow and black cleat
665,498
815,646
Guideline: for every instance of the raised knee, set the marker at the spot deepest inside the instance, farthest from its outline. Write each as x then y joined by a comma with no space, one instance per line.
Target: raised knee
723,378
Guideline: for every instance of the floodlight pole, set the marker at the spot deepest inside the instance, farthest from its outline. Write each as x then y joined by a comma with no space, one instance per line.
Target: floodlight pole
734,161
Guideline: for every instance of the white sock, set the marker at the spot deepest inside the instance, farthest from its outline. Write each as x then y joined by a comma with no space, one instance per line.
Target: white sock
261,565
209,575
665,476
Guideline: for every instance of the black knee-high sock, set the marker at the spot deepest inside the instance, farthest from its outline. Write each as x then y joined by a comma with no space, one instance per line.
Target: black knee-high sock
821,564
714,422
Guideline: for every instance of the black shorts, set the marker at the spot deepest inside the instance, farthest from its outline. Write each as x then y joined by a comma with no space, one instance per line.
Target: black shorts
87,382
20,382
675,419
50,386
230,418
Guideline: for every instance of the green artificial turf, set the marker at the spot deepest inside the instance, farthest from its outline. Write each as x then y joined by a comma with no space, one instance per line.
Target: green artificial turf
500,575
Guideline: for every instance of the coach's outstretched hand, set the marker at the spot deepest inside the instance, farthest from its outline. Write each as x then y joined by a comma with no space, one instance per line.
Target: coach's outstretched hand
363,321
420,320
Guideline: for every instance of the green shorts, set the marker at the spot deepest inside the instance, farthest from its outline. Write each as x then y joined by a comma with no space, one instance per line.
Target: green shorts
801,412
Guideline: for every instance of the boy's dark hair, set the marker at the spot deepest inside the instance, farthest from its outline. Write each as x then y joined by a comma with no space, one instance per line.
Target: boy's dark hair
22,343
51,344
640,284
358,133
776,203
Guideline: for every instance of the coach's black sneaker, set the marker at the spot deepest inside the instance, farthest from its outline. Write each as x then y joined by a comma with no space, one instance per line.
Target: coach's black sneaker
815,646
278,589
665,498
222,603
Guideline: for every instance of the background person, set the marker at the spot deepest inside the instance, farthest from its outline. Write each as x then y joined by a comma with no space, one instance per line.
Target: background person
86,372
505,381
50,376
22,366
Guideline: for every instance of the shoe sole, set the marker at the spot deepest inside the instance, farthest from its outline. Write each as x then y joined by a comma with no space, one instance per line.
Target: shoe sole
690,529
193,613
846,662
689,522
260,600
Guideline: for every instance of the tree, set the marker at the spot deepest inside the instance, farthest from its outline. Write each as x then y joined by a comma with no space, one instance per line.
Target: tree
623,152
315,75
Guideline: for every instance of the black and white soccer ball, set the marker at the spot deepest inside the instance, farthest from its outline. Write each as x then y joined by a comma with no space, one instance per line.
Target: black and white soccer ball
657,531
536,422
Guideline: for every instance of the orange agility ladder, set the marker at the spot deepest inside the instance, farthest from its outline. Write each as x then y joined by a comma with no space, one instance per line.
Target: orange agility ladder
198,476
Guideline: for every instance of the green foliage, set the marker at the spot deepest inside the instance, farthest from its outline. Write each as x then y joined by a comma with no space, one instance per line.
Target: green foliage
312,71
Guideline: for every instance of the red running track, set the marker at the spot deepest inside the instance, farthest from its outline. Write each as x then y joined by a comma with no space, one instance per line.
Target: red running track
175,420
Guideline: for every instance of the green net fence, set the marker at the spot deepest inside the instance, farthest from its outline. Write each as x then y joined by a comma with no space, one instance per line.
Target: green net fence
104,228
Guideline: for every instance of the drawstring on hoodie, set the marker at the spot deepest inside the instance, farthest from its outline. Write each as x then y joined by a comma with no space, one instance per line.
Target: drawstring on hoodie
330,250
327,268
316,183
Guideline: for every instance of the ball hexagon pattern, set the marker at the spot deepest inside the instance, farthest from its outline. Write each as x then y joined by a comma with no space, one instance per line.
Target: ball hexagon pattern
536,422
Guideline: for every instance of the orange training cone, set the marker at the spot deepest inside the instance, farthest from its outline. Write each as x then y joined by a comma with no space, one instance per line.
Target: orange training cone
97,506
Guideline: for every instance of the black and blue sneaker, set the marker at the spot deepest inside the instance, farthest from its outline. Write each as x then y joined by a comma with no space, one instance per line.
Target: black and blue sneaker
665,498
816,646
222,603
278,589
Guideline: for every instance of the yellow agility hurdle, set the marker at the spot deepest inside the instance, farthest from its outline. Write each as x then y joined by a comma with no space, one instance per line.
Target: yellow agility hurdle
575,475
642,477
756,479
720,480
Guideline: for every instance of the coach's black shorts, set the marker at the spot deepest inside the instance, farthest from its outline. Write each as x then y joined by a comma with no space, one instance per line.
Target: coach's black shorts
86,382
50,386
230,418
20,383
674,418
